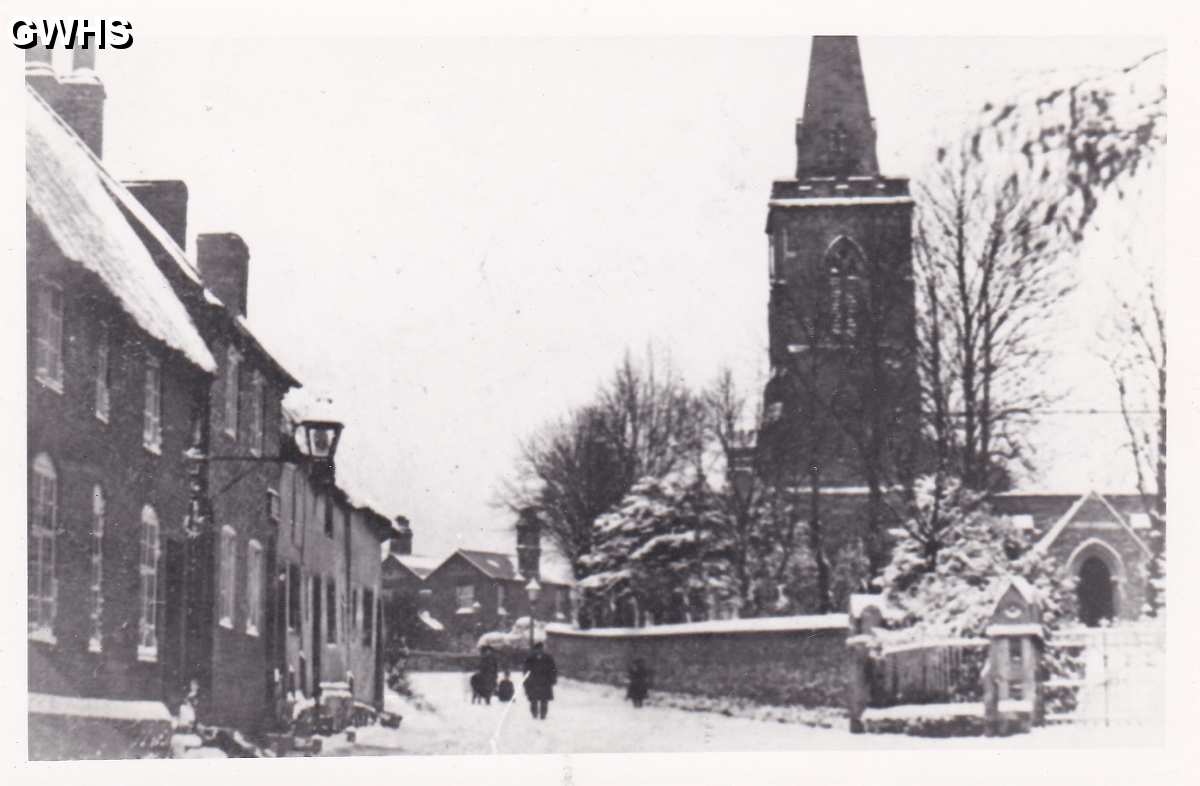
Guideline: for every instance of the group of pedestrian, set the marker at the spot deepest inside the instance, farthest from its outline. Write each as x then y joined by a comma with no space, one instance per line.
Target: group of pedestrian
541,674
486,682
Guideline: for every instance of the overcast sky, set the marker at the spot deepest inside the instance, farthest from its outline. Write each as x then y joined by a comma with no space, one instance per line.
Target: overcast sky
456,239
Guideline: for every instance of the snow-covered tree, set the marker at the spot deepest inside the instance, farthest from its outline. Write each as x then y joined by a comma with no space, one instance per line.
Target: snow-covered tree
978,552
955,596
664,551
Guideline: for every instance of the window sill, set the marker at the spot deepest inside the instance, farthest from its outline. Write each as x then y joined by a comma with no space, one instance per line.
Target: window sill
53,384
226,622
147,654
102,417
154,448
42,636
94,646
251,630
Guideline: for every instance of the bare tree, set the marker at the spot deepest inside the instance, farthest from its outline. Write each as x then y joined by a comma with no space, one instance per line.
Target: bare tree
993,266
643,423
1136,352
763,522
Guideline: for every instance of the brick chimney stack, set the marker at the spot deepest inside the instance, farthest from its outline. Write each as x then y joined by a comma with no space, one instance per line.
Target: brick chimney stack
167,201
224,262
401,537
77,97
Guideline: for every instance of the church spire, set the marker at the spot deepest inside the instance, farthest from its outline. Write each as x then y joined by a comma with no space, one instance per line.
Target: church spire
836,137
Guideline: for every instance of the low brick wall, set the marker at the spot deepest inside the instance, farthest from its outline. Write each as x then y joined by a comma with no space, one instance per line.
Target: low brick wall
67,728
458,661
776,660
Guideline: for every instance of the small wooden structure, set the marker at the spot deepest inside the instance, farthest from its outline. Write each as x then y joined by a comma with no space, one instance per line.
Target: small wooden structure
1011,694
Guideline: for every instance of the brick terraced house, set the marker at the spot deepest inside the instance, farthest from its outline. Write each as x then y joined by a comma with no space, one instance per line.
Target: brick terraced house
156,567
117,379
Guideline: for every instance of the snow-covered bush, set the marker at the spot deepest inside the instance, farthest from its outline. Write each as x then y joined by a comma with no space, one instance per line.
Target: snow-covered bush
664,548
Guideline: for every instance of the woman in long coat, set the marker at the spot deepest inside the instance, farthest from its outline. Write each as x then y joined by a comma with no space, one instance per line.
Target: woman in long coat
541,673
489,669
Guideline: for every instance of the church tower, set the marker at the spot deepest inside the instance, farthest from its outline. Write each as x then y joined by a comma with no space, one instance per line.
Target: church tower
840,408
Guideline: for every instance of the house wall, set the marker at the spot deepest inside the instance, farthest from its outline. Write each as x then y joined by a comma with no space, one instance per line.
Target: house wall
237,679
802,666
465,628
349,557
364,575
87,452
401,604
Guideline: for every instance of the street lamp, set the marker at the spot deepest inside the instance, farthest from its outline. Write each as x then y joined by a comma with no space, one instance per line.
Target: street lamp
318,444
533,589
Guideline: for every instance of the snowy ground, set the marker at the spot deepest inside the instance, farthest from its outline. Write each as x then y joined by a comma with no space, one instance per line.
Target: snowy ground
587,718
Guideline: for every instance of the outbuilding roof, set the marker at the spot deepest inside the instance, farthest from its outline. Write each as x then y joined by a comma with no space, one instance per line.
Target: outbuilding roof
498,565
70,192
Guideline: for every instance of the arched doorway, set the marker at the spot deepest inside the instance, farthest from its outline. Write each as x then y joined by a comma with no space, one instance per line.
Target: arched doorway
1095,592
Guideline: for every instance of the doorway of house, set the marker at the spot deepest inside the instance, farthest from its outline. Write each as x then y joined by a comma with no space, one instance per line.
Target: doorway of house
173,641
317,642
1095,592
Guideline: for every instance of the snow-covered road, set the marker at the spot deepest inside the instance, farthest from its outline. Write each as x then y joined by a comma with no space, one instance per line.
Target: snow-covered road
587,718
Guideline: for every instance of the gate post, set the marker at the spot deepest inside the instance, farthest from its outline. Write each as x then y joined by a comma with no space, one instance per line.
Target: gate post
864,616
1015,631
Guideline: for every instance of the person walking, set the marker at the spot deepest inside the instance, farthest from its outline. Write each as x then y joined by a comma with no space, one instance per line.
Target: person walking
541,673
489,671
639,682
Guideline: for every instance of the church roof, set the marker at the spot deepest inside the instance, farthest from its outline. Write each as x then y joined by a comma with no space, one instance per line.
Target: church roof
1096,500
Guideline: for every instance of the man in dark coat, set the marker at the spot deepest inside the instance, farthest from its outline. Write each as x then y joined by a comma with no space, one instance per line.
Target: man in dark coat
541,673
489,670
639,682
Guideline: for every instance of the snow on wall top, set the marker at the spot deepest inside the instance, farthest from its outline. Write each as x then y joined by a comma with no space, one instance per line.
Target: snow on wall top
71,194
810,622
118,709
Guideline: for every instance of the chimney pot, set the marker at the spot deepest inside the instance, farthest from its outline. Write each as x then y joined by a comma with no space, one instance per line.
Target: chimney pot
224,262
401,537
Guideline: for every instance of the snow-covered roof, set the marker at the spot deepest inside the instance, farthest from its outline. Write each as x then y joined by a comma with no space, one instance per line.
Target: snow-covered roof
498,565
1052,534
418,564
808,622
70,192
842,201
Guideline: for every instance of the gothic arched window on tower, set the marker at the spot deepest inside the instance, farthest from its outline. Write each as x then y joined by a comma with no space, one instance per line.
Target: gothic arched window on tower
844,265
